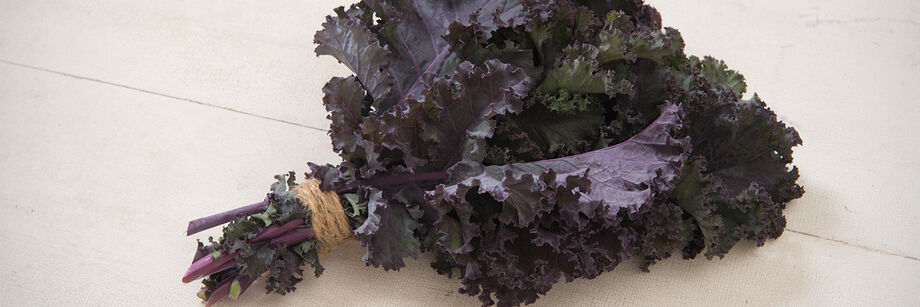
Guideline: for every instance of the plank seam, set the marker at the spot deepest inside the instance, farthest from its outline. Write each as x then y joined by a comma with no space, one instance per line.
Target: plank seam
128,87
854,245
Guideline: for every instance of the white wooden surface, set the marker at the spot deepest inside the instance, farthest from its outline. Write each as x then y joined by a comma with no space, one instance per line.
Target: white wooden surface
121,120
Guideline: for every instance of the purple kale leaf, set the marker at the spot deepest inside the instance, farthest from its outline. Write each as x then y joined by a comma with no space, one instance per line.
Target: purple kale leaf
739,182
395,56
453,117
284,272
387,233
348,39
430,137
507,224
736,182
344,99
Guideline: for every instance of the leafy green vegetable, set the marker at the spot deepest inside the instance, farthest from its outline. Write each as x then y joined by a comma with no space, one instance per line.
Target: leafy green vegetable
274,243
523,141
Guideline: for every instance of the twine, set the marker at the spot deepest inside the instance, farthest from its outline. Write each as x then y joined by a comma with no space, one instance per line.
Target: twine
330,226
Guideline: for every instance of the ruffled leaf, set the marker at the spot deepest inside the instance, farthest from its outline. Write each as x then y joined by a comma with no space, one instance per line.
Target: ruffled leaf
622,40
413,30
435,133
508,223
344,100
622,176
350,41
387,232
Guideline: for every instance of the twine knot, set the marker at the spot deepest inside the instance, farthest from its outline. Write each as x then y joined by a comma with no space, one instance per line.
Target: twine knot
330,225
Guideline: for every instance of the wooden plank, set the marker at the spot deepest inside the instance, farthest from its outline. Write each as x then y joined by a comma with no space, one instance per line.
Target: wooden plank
250,56
99,182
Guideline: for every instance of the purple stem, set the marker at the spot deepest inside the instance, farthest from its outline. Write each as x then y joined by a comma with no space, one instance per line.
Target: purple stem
273,231
223,290
198,225
245,282
266,234
222,267
395,180
294,236
203,250
205,266
408,178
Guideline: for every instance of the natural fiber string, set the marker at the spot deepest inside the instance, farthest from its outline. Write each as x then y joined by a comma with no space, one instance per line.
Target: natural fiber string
330,226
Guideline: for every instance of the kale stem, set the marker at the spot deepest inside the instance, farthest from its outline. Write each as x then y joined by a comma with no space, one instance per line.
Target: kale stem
265,234
273,231
205,266
198,225
395,180
223,290
294,236
222,267
203,250
245,281
408,178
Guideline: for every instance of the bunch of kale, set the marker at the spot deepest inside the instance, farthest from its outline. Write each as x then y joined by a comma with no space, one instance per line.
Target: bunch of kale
268,238
526,141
